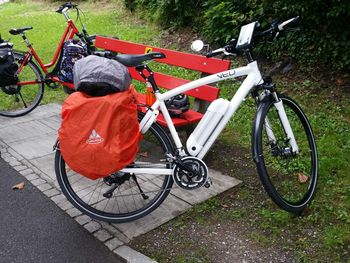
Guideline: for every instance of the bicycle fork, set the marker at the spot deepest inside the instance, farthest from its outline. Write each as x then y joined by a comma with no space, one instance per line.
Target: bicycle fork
285,124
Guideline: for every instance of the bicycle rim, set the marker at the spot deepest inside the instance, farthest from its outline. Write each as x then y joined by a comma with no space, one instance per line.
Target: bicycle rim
289,179
18,100
126,203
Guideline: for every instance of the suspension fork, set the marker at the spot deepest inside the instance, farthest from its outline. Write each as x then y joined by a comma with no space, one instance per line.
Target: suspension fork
269,90
285,123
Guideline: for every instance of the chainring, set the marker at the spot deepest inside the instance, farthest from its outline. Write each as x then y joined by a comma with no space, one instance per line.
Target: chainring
190,173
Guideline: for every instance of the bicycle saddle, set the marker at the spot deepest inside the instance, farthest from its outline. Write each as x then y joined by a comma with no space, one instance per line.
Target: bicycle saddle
136,60
16,31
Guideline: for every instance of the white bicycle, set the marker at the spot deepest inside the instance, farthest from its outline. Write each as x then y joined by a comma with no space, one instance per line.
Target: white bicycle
283,144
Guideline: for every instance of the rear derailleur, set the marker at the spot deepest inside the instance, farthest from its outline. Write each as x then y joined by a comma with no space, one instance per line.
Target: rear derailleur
117,179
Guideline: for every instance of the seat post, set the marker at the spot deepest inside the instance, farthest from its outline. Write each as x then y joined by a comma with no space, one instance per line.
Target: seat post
25,39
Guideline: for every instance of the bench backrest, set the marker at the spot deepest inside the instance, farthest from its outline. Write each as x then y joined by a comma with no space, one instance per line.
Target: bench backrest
175,58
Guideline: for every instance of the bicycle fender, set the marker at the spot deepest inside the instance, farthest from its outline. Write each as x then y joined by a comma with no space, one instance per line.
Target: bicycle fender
255,129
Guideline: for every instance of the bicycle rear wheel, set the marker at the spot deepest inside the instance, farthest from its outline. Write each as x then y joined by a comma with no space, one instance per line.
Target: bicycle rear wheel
126,203
290,179
18,100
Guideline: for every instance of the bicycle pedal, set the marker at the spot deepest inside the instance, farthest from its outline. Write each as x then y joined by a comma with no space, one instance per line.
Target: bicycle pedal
208,183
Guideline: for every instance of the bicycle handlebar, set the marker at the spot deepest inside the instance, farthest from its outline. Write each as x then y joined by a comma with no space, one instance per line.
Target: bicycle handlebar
274,30
65,7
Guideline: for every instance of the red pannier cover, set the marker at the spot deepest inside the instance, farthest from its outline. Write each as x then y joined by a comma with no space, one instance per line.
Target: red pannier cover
99,135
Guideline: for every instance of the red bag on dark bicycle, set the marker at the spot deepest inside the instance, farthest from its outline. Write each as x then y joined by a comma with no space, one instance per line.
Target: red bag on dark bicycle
99,135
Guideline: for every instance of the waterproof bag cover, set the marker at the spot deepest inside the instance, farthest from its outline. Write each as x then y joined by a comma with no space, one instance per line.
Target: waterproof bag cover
98,76
8,68
99,135
73,50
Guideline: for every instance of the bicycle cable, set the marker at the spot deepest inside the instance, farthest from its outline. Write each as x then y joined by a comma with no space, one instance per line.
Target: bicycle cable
79,17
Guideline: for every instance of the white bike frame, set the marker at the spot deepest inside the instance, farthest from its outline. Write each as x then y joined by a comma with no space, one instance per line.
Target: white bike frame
253,78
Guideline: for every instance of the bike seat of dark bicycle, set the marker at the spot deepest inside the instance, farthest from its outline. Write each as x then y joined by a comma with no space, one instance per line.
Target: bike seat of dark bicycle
136,60
16,31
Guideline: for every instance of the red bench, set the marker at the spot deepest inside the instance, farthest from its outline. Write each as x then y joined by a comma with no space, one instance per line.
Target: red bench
180,59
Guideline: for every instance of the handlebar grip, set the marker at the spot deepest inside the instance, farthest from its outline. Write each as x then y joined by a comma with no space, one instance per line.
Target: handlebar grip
68,5
213,53
288,23
59,10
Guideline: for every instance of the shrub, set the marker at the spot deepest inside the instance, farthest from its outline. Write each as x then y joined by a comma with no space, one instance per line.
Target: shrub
324,36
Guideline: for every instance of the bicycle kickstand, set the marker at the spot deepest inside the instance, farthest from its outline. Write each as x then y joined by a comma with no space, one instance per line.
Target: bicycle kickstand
145,197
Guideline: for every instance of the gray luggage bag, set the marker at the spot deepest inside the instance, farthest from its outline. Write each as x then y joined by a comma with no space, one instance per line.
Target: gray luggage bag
99,76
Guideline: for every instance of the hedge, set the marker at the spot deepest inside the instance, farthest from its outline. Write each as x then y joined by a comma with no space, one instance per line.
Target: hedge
323,38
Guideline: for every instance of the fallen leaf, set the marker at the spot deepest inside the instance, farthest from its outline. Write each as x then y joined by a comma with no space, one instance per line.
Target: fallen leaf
339,82
225,206
143,154
302,178
18,186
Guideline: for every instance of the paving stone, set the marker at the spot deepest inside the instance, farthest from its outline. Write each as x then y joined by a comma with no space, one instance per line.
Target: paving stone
46,165
26,172
31,177
92,226
2,144
14,163
220,184
111,228
73,212
169,209
36,147
53,122
114,243
15,154
58,198
65,205
5,155
44,187
83,219
38,181
131,255
20,167
51,192
102,235
24,132
43,111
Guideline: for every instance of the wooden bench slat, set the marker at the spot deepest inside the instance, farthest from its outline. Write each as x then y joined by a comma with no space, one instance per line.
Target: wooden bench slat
176,58
205,92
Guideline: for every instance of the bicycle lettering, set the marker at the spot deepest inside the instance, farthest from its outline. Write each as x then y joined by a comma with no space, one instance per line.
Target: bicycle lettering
226,75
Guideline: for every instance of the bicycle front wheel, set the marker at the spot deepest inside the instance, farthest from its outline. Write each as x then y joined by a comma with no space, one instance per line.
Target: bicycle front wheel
20,99
120,197
289,178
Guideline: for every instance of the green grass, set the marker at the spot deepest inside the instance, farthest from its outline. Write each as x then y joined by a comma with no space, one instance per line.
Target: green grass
48,26
329,214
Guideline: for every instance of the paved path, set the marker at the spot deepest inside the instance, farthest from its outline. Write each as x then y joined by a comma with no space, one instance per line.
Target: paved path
34,229
26,144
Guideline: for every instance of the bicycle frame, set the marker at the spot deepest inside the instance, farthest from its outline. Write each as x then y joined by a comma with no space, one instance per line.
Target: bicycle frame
253,78
68,33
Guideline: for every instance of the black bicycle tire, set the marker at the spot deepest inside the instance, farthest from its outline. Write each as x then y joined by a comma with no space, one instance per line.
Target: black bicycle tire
262,111
108,217
40,94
